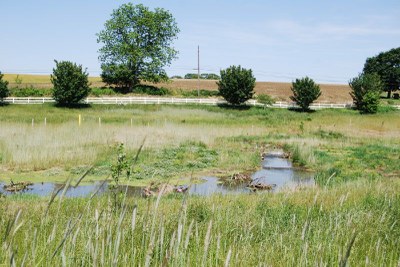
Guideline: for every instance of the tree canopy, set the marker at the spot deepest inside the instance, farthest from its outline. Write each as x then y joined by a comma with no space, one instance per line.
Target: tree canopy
137,45
236,84
387,66
305,91
70,83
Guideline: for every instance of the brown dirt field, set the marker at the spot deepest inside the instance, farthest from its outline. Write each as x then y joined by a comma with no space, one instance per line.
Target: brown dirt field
332,93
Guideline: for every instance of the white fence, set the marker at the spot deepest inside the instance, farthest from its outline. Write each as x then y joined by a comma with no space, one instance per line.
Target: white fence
168,100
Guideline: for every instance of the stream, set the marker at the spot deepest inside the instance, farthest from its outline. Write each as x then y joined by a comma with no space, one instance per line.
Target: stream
275,170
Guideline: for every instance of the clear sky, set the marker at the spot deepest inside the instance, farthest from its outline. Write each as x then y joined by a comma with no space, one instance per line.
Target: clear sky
279,40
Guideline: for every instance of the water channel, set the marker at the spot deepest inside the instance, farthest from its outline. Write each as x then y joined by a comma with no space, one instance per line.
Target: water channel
275,170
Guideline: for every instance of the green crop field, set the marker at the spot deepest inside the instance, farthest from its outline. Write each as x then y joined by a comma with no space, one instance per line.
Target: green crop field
351,216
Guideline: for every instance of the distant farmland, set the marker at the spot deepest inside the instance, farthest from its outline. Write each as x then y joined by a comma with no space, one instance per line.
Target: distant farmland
333,93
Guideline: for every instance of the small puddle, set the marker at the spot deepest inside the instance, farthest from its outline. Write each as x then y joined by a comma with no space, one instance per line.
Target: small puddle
276,170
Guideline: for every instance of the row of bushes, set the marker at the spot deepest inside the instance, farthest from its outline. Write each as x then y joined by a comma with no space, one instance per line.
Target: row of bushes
236,86
105,91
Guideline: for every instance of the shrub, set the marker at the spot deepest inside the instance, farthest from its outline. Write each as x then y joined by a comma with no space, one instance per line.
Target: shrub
197,93
102,91
305,91
236,85
370,102
265,100
29,91
150,90
70,83
365,91
4,92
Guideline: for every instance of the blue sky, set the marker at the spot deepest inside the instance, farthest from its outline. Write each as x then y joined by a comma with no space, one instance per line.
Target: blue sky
279,40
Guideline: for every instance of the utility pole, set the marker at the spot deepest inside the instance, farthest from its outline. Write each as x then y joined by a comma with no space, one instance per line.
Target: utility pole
198,71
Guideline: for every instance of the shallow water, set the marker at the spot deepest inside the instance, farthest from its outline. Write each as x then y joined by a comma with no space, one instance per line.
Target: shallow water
275,170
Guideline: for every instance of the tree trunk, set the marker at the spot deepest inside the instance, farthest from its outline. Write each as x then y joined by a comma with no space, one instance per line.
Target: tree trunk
389,95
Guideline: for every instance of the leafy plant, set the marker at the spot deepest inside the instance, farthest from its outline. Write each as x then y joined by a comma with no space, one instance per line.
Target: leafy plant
70,83
365,91
265,100
119,169
4,92
305,91
122,165
236,85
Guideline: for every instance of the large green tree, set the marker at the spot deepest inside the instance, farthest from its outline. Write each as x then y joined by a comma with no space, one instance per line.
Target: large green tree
137,45
387,66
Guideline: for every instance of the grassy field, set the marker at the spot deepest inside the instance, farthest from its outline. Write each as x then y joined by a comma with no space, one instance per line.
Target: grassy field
280,91
31,149
351,215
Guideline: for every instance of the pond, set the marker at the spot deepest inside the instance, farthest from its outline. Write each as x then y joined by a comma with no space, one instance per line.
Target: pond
276,171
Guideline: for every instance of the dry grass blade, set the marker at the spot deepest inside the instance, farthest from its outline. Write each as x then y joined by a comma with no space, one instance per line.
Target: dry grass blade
98,189
329,179
52,198
134,214
207,244
228,258
83,176
69,231
343,261
65,189
139,151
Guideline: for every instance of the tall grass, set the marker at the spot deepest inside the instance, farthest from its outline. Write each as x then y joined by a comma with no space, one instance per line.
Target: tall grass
43,138
356,223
